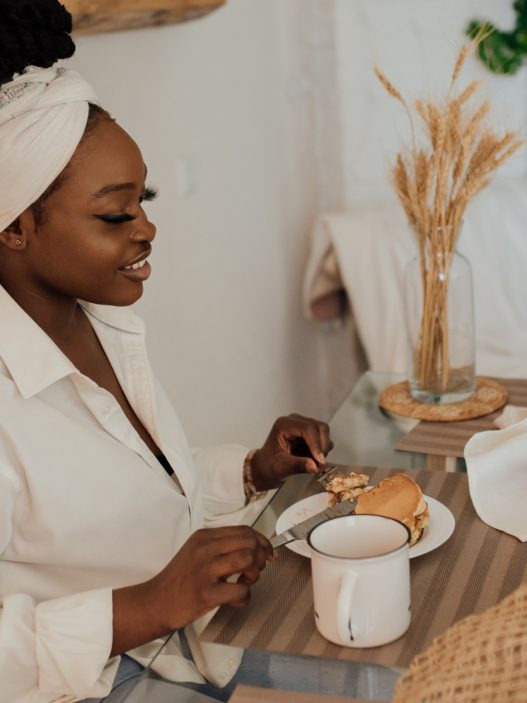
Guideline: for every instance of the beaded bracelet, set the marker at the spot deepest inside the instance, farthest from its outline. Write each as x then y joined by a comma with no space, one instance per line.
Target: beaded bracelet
251,492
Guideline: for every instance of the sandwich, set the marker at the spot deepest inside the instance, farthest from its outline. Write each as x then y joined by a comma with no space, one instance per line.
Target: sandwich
399,497
345,487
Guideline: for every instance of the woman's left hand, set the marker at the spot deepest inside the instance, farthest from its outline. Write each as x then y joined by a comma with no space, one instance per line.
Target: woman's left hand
296,444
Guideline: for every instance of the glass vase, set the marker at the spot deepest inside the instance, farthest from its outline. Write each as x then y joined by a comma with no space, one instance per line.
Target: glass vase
439,317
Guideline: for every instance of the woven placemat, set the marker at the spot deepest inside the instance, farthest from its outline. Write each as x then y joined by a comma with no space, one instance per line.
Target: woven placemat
449,439
488,397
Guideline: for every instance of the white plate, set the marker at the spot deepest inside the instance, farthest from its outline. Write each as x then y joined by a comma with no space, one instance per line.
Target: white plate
439,529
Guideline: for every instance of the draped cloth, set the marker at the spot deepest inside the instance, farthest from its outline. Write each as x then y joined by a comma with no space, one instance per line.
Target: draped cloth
43,114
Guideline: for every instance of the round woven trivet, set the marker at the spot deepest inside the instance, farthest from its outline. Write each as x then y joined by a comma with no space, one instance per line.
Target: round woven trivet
488,397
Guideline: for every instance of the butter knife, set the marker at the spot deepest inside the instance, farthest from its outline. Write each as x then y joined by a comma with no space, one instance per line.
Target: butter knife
301,530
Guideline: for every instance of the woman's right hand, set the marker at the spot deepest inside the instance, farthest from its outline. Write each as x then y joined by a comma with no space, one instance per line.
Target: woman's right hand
194,582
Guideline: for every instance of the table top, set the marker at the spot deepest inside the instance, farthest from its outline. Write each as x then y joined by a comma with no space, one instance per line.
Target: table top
364,435
474,569
250,694
449,438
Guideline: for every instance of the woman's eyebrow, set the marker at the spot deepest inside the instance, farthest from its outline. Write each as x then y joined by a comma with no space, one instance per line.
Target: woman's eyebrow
113,188
116,187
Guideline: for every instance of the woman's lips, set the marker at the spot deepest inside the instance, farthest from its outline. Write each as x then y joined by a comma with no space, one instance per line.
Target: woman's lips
137,272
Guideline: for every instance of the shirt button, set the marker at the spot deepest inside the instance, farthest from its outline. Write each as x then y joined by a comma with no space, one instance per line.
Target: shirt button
232,662
107,410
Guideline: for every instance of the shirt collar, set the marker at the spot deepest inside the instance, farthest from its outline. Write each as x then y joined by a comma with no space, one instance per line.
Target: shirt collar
30,355
123,319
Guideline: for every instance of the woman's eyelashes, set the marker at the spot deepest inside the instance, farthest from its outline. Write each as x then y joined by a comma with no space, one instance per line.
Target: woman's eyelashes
116,219
148,195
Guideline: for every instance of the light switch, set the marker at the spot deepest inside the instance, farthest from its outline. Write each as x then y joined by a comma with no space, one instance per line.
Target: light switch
186,177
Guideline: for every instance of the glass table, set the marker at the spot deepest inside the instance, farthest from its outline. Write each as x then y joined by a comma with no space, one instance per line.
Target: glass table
363,435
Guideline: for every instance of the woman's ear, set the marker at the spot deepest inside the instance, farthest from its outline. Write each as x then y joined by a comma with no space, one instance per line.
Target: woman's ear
12,237
15,235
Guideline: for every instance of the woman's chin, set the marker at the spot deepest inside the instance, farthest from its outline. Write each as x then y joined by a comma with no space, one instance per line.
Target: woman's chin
121,299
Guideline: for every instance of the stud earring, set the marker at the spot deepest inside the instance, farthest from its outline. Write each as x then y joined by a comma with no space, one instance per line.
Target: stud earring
18,242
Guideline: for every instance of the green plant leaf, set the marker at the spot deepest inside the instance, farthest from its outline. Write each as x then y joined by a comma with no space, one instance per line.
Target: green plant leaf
502,52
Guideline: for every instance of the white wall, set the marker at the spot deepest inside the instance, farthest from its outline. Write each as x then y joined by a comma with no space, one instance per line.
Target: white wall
359,128
274,106
415,43
222,96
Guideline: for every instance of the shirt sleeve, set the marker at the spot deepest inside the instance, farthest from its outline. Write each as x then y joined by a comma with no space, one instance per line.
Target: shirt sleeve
55,648
222,480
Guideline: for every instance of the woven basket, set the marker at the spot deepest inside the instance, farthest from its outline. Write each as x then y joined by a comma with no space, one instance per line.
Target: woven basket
480,659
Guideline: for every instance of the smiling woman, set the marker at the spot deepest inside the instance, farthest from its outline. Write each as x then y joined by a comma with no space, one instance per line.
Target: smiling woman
93,238
109,15
103,504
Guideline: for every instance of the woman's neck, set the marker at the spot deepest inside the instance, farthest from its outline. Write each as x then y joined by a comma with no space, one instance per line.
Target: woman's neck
58,316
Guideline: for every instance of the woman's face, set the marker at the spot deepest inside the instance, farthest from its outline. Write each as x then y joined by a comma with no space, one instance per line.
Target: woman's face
95,236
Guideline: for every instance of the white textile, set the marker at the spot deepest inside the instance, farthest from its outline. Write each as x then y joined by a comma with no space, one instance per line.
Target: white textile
497,477
510,415
43,115
365,252
86,507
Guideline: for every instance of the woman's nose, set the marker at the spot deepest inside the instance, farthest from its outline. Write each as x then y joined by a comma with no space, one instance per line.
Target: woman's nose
145,230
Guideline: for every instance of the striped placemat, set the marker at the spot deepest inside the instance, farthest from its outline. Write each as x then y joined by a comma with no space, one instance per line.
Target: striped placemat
250,694
449,438
474,569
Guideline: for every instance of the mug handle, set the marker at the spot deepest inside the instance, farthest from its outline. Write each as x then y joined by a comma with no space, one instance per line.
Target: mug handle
344,607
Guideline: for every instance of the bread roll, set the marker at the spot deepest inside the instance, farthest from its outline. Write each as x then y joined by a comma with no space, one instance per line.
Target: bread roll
399,497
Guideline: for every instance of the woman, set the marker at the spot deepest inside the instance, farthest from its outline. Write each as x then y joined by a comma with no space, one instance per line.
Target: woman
102,505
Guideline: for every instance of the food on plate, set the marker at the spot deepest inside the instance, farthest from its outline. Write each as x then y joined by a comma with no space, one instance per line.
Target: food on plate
346,487
399,497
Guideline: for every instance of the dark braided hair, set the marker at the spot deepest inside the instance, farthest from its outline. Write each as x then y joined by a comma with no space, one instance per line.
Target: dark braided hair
32,33
37,33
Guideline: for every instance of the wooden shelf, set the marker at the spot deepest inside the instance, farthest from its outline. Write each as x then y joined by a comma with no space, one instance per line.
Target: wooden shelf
91,16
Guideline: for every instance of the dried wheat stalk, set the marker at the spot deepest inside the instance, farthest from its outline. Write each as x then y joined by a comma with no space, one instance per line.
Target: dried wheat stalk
434,183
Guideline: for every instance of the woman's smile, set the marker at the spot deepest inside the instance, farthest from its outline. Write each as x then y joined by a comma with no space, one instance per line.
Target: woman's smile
138,271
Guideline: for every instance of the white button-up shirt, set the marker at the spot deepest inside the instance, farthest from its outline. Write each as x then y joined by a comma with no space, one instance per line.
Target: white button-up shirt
86,507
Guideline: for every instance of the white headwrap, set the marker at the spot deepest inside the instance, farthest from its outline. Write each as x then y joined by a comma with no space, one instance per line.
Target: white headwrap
43,114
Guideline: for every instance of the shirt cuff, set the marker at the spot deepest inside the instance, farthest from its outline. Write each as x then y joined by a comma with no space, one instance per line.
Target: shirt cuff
223,489
73,641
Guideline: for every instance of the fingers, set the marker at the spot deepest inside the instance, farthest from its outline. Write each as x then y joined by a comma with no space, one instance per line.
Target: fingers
235,537
325,442
287,464
200,575
314,433
235,594
247,561
296,444
236,550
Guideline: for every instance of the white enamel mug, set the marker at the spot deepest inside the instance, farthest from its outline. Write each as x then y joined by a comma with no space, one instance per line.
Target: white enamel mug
361,579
